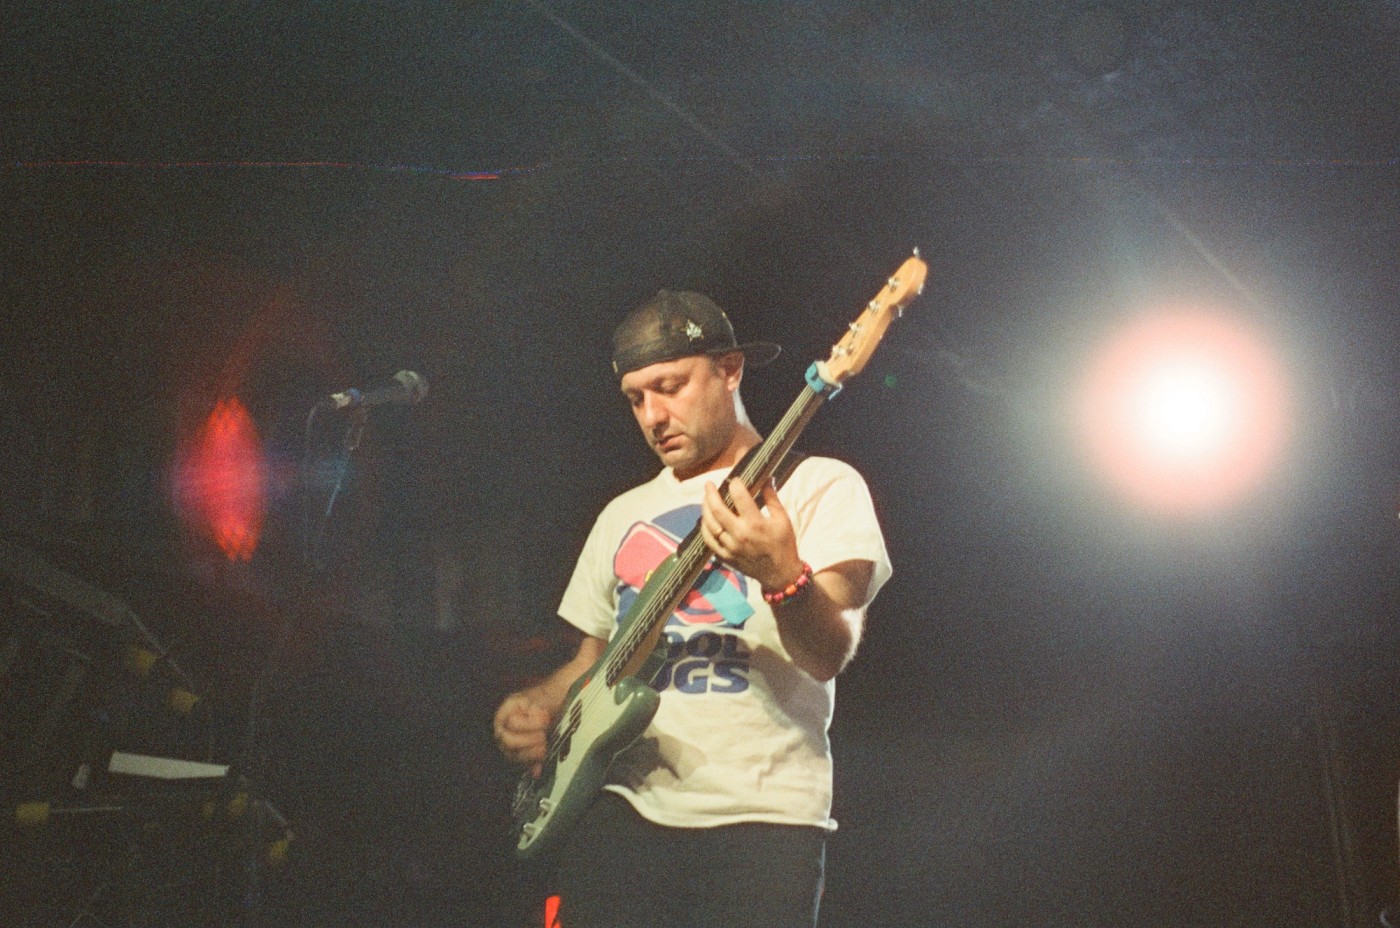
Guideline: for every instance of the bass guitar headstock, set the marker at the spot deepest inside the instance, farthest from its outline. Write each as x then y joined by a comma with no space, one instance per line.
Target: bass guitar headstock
850,354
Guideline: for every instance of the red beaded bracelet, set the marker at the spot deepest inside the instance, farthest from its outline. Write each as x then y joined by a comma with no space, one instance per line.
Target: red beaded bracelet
792,590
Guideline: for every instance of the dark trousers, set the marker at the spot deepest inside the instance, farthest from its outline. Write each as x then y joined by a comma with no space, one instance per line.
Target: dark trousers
620,871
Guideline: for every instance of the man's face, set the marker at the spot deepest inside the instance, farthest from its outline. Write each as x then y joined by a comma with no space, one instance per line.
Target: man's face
685,409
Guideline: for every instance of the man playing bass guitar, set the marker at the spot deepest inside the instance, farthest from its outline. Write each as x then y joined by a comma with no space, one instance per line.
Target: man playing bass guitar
717,814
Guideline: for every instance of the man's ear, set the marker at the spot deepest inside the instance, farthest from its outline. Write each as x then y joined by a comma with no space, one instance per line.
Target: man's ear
731,365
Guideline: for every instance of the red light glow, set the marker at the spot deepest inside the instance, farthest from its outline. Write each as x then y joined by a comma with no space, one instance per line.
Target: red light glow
221,486
1185,412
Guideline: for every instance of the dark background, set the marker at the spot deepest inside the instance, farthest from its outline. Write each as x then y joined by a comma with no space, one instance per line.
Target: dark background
1065,713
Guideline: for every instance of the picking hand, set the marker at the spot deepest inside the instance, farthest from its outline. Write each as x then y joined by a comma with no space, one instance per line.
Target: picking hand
521,728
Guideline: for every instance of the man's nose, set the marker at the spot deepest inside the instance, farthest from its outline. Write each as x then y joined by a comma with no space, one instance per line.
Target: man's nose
654,411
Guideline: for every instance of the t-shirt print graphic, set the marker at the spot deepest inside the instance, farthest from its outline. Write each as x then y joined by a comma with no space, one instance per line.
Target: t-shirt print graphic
719,598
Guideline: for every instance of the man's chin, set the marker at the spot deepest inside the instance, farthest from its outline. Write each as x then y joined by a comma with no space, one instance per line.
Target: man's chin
675,459
681,460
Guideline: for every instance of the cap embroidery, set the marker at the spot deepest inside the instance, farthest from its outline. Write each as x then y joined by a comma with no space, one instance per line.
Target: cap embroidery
693,331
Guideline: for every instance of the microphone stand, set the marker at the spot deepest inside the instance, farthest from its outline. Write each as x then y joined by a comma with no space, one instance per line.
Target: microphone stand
313,556
313,562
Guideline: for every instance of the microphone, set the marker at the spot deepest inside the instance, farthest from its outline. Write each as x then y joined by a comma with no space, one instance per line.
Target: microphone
407,388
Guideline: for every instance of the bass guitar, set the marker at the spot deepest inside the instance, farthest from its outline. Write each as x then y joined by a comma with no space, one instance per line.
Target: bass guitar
610,705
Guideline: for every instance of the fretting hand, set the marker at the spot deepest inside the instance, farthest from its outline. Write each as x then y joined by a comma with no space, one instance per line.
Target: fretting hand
761,545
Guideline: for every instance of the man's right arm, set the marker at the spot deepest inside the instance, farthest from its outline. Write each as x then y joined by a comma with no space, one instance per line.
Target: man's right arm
523,721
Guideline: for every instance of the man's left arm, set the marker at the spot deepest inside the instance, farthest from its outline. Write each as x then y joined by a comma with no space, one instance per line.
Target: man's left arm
820,626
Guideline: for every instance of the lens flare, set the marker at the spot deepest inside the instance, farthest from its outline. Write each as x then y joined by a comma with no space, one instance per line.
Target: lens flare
221,486
1185,412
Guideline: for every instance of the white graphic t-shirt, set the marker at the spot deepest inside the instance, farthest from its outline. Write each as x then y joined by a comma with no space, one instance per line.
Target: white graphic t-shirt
741,732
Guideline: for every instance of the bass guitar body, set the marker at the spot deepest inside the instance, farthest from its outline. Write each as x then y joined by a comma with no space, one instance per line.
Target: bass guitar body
600,720
546,807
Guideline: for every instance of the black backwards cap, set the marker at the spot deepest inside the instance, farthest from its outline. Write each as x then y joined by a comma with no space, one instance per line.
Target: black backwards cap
678,324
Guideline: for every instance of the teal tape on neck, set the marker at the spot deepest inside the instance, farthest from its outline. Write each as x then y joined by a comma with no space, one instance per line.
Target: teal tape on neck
815,381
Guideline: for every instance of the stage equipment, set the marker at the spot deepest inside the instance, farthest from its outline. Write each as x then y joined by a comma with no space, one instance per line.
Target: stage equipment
113,804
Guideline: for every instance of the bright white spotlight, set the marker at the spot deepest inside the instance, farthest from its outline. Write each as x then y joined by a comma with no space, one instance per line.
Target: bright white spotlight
1185,407
1184,411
